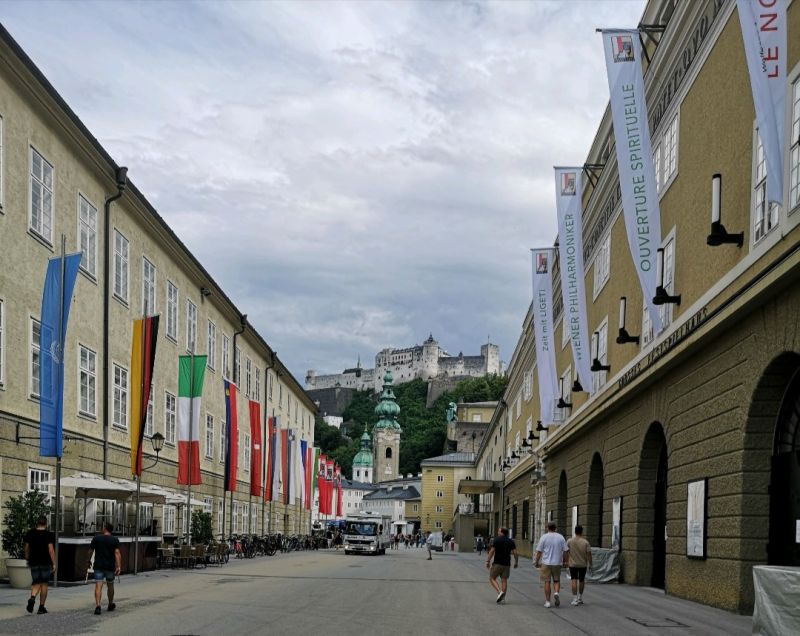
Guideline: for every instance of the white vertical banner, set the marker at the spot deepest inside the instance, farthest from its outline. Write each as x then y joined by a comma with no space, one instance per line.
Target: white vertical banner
569,187
637,178
764,33
543,332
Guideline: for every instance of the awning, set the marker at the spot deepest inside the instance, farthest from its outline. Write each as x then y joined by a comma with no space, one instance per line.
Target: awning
477,486
170,497
91,486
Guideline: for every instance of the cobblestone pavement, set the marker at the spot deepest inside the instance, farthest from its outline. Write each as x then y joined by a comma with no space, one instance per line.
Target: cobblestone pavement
328,592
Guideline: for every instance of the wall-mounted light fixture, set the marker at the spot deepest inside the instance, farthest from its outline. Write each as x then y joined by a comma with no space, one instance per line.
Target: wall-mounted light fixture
539,426
562,404
662,297
577,387
624,337
596,364
719,235
205,292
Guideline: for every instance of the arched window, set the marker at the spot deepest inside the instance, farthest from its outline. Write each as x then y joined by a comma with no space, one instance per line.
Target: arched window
388,453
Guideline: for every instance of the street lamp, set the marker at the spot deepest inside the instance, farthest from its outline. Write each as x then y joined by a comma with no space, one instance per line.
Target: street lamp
157,440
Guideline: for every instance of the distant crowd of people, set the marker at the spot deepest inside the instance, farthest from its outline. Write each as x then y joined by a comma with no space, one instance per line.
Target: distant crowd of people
416,540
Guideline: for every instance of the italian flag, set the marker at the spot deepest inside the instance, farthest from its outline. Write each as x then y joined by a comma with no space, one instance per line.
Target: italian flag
191,370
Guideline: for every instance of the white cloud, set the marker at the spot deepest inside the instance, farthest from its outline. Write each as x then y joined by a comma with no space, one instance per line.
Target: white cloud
354,175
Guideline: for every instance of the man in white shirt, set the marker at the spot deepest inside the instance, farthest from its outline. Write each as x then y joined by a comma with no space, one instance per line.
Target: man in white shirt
551,554
429,543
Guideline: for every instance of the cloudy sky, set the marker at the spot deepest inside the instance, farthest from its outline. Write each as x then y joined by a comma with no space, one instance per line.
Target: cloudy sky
355,175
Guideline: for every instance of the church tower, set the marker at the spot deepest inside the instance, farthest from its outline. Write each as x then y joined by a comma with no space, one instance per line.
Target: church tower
386,435
362,462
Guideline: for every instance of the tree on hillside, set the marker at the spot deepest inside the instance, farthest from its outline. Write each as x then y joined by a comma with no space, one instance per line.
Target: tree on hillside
424,429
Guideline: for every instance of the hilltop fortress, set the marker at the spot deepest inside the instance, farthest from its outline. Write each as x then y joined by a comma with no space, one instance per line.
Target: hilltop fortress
427,361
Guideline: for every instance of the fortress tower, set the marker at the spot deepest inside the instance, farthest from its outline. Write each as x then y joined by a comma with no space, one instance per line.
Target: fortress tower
430,358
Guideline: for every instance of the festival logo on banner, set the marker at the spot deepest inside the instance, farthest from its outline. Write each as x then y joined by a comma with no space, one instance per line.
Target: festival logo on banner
637,177
623,48
570,249
568,183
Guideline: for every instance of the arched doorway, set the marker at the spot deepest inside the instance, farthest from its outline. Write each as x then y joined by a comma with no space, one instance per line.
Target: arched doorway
593,528
561,511
784,489
653,473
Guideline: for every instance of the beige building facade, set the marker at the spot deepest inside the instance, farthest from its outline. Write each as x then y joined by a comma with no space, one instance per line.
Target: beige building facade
54,181
710,404
440,497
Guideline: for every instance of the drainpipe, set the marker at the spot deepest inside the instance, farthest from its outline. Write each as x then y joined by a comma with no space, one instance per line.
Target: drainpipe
243,322
121,176
270,364
504,424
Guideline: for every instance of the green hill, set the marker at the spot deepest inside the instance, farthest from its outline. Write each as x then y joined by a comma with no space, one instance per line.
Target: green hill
424,429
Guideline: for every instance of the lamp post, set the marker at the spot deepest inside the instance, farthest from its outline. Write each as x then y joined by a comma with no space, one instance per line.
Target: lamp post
157,440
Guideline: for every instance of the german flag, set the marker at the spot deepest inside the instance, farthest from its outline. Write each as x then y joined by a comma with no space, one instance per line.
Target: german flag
143,356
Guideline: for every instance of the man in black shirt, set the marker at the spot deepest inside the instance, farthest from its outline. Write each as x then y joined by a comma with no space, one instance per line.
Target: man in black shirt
501,549
107,565
41,557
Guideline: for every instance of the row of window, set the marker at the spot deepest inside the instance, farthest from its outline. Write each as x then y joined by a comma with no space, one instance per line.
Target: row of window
87,378
40,222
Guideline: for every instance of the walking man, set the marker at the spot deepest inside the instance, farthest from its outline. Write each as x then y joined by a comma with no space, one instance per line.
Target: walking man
502,549
41,556
479,545
429,543
551,553
580,557
107,565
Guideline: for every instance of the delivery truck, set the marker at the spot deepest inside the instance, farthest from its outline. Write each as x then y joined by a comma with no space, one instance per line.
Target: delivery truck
367,533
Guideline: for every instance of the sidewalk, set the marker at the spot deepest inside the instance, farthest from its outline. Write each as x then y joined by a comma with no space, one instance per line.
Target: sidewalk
612,608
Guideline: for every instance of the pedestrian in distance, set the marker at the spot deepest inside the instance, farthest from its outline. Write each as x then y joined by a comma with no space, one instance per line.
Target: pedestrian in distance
502,549
107,566
551,554
580,557
429,543
41,556
479,545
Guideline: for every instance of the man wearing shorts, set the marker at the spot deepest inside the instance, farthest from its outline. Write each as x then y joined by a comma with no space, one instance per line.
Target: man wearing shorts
107,565
41,560
551,553
501,549
429,543
580,557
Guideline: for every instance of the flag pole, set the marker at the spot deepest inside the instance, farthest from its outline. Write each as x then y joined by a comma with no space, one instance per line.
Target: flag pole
137,463
60,396
264,453
188,512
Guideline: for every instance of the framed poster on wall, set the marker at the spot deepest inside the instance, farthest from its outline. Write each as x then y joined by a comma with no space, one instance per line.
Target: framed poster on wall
571,530
616,524
696,519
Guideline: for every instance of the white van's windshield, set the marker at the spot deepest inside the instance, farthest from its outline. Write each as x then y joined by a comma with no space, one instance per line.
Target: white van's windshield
357,527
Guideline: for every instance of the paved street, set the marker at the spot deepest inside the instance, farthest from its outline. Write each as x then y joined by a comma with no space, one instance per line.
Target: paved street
328,592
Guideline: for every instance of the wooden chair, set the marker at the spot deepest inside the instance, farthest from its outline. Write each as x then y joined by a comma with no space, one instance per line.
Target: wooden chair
185,557
200,555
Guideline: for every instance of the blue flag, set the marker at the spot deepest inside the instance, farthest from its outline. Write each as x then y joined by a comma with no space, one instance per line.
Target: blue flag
51,353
